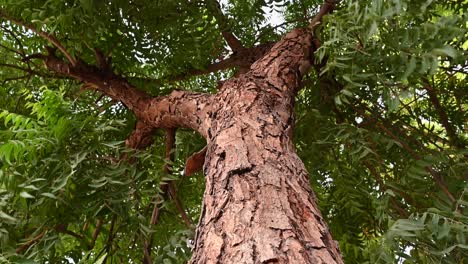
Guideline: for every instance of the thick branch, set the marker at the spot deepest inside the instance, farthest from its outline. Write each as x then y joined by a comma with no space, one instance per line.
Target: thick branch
179,109
292,55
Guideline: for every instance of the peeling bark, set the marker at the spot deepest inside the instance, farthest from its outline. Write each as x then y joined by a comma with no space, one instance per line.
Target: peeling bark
258,204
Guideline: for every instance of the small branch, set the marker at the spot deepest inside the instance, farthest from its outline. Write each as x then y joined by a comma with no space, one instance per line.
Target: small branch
12,50
110,238
62,228
439,181
171,188
31,242
443,118
242,59
18,41
14,67
179,206
170,150
71,233
15,78
327,7
437,178
215,67
403,213
169,157
48,36
232,41
215,8
30,71
96,233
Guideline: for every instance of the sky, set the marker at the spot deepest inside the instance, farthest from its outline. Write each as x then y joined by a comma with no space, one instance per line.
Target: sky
275,17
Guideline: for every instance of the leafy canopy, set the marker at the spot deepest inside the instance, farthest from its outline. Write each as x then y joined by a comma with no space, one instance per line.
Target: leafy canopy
381,126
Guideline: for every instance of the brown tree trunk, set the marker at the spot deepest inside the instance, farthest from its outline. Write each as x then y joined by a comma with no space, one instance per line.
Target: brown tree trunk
258,205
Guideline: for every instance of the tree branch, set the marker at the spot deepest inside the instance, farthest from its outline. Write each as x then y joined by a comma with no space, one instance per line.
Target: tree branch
62,228
169,157
18,41
443,118
179,109
178,203
47,36
403,213
29,71
96,233
215,8
327,7
31,242
242,59
12,50
141,137
110,238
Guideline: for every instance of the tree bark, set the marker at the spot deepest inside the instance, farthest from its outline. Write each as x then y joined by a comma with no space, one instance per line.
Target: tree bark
258,205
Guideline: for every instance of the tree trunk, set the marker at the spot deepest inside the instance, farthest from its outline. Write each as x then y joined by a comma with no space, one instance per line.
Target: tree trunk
258,205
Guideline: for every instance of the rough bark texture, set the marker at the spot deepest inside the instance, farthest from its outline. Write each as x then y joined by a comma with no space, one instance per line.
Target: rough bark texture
258,204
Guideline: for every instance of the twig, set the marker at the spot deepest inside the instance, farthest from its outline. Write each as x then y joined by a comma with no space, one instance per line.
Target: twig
12,50
179,206
110,238
96,233
15,78
18,41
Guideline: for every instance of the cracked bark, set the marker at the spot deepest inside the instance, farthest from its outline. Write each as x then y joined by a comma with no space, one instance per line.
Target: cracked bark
258,204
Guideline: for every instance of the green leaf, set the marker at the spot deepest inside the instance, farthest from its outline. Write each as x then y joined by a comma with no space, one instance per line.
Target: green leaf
7,217
101,259
50,195
446,51
26,195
